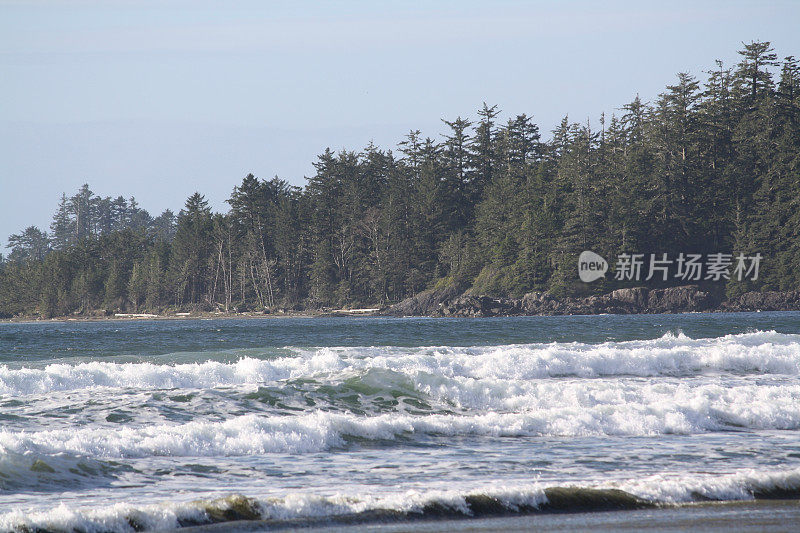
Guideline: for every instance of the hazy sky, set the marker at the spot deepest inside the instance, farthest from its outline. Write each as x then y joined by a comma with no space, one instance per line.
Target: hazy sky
159,99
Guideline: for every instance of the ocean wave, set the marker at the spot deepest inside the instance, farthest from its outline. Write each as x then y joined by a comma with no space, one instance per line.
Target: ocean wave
550,409
299,509
670,355
52,473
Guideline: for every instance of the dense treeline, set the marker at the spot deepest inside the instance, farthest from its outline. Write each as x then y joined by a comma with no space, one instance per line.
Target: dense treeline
706,167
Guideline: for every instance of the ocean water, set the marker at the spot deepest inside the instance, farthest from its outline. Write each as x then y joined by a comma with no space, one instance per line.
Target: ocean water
153,425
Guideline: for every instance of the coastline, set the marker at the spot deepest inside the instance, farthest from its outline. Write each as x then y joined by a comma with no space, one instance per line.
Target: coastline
751,515
192,316
451,303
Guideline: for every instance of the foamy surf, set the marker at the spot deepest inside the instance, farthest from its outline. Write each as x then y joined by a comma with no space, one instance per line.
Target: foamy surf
489,500
349,433
552,409
671,356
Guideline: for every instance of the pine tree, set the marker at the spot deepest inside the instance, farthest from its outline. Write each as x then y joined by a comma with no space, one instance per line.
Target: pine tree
455,185
62,227
31,244
190,251
483,152
81,206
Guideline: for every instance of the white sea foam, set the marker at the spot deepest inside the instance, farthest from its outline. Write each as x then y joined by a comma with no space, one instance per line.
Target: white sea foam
741,485
550,408
753,353
297,506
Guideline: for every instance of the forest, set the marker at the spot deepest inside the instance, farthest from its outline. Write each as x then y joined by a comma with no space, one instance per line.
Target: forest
711,165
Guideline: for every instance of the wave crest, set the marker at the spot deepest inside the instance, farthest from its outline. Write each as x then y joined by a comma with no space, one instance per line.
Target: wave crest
671,355
304,509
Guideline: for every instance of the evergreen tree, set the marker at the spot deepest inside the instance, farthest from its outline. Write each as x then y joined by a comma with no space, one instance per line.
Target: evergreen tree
455,184
31,244
190,251
83,214
62,226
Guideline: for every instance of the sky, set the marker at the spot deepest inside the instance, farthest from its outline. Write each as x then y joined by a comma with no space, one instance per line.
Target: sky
159,99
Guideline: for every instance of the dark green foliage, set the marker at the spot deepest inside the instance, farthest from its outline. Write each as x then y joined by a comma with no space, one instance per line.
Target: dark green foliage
710,166
31,244
191,252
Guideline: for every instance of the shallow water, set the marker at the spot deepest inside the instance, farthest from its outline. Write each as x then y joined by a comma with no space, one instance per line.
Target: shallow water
117,425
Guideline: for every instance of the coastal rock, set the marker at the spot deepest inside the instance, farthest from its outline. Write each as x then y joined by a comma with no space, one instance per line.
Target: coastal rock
642,300
621,301
764,301
451,302
469,305
678,300
635,297
425,303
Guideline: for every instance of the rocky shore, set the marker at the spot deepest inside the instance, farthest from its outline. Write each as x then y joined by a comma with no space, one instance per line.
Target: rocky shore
684,299
455,301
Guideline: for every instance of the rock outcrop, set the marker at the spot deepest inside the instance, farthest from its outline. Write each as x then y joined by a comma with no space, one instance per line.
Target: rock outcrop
452,303
764,301
425,303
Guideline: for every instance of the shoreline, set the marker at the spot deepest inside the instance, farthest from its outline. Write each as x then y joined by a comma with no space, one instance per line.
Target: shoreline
452,303
300,314
718,516
154,317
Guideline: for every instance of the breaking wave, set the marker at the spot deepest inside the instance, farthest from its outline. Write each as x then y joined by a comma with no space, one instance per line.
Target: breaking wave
300,509
670,355
550,409
63,427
